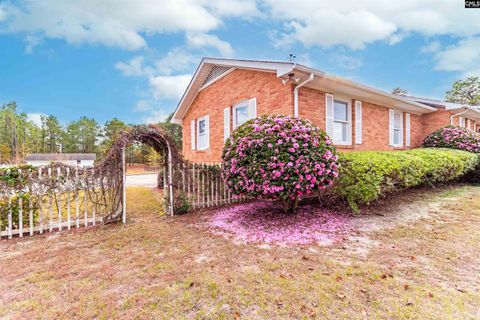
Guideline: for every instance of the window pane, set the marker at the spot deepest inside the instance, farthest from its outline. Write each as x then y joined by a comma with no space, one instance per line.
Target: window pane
241,114
397,119
340,132
201,127
340,111
396,136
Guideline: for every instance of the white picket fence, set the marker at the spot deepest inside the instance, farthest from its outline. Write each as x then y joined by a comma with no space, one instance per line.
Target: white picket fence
202,184
60,199
54,200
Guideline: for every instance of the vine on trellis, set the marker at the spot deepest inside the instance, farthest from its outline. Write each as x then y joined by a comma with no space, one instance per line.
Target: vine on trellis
60,196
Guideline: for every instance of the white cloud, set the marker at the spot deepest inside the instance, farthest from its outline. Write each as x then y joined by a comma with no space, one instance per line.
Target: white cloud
3,12
432,47
346,61
142,106
464,57
132,68
32,41
200,40
169,87
166,78
115,24
151,111
35,117
353,29
176,60
354,23
155,117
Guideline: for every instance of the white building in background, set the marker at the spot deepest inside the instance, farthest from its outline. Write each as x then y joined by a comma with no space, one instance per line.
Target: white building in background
71,159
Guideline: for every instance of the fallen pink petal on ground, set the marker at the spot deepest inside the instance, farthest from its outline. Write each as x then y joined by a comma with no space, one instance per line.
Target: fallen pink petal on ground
264,222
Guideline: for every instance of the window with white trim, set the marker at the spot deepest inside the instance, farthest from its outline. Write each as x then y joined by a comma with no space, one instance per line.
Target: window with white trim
241,113
397,129
244,111
202,133
461,122
341,122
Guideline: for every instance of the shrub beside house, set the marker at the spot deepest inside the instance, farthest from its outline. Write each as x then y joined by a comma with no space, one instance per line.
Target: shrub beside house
279,157
382,128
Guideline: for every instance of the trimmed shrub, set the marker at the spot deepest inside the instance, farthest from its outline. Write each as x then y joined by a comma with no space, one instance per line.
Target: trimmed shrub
279,157
16,178
15,209
455,138
367,176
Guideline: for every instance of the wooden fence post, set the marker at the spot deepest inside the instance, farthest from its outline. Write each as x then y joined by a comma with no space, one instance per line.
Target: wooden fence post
77,205
85,198
40,208
20,211
50,212
9,215
30,214
124,188
20,216
58,201
94,202
69,218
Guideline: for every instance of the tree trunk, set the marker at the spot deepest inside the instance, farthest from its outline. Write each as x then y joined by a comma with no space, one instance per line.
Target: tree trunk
289,205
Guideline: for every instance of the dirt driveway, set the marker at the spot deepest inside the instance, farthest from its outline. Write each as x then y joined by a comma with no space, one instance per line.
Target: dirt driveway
142,180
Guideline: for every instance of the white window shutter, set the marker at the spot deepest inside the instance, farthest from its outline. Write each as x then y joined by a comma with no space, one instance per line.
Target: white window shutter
329,114
234,117
391,122
192,134
226,124
358,122
207,132
401,129
407,129
252,108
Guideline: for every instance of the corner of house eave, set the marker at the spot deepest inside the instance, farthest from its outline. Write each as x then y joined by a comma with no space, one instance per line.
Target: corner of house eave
175,118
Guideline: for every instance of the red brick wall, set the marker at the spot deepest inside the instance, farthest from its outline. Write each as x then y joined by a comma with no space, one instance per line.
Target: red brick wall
273,97
435,120
375,122
311,105
416,130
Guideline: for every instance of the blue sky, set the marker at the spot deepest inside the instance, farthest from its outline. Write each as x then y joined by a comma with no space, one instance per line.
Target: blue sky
133,59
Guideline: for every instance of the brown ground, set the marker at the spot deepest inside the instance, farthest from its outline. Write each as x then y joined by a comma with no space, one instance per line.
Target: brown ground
416,257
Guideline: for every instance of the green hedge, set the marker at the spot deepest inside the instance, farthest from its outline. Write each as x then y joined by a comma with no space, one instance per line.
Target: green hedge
367,176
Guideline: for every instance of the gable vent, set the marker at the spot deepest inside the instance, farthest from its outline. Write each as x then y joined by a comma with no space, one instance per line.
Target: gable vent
215,72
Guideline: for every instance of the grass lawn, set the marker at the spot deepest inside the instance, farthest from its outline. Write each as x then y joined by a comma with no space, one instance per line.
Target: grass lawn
417,257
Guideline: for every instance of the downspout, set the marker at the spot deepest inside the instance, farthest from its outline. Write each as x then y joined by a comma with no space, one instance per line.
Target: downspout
456,115
295,94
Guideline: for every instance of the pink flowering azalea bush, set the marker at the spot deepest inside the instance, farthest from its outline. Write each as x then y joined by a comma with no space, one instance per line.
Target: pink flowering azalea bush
454,138
279,157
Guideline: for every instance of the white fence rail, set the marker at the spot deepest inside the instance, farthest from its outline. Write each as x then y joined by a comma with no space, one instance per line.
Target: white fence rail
201,185
51,199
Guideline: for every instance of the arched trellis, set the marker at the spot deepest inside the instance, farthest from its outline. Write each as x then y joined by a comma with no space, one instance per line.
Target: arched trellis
150,135
58,196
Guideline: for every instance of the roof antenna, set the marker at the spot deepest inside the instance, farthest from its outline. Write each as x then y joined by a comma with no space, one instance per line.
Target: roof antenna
291,57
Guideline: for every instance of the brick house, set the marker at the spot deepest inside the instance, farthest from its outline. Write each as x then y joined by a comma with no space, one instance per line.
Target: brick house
224,93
